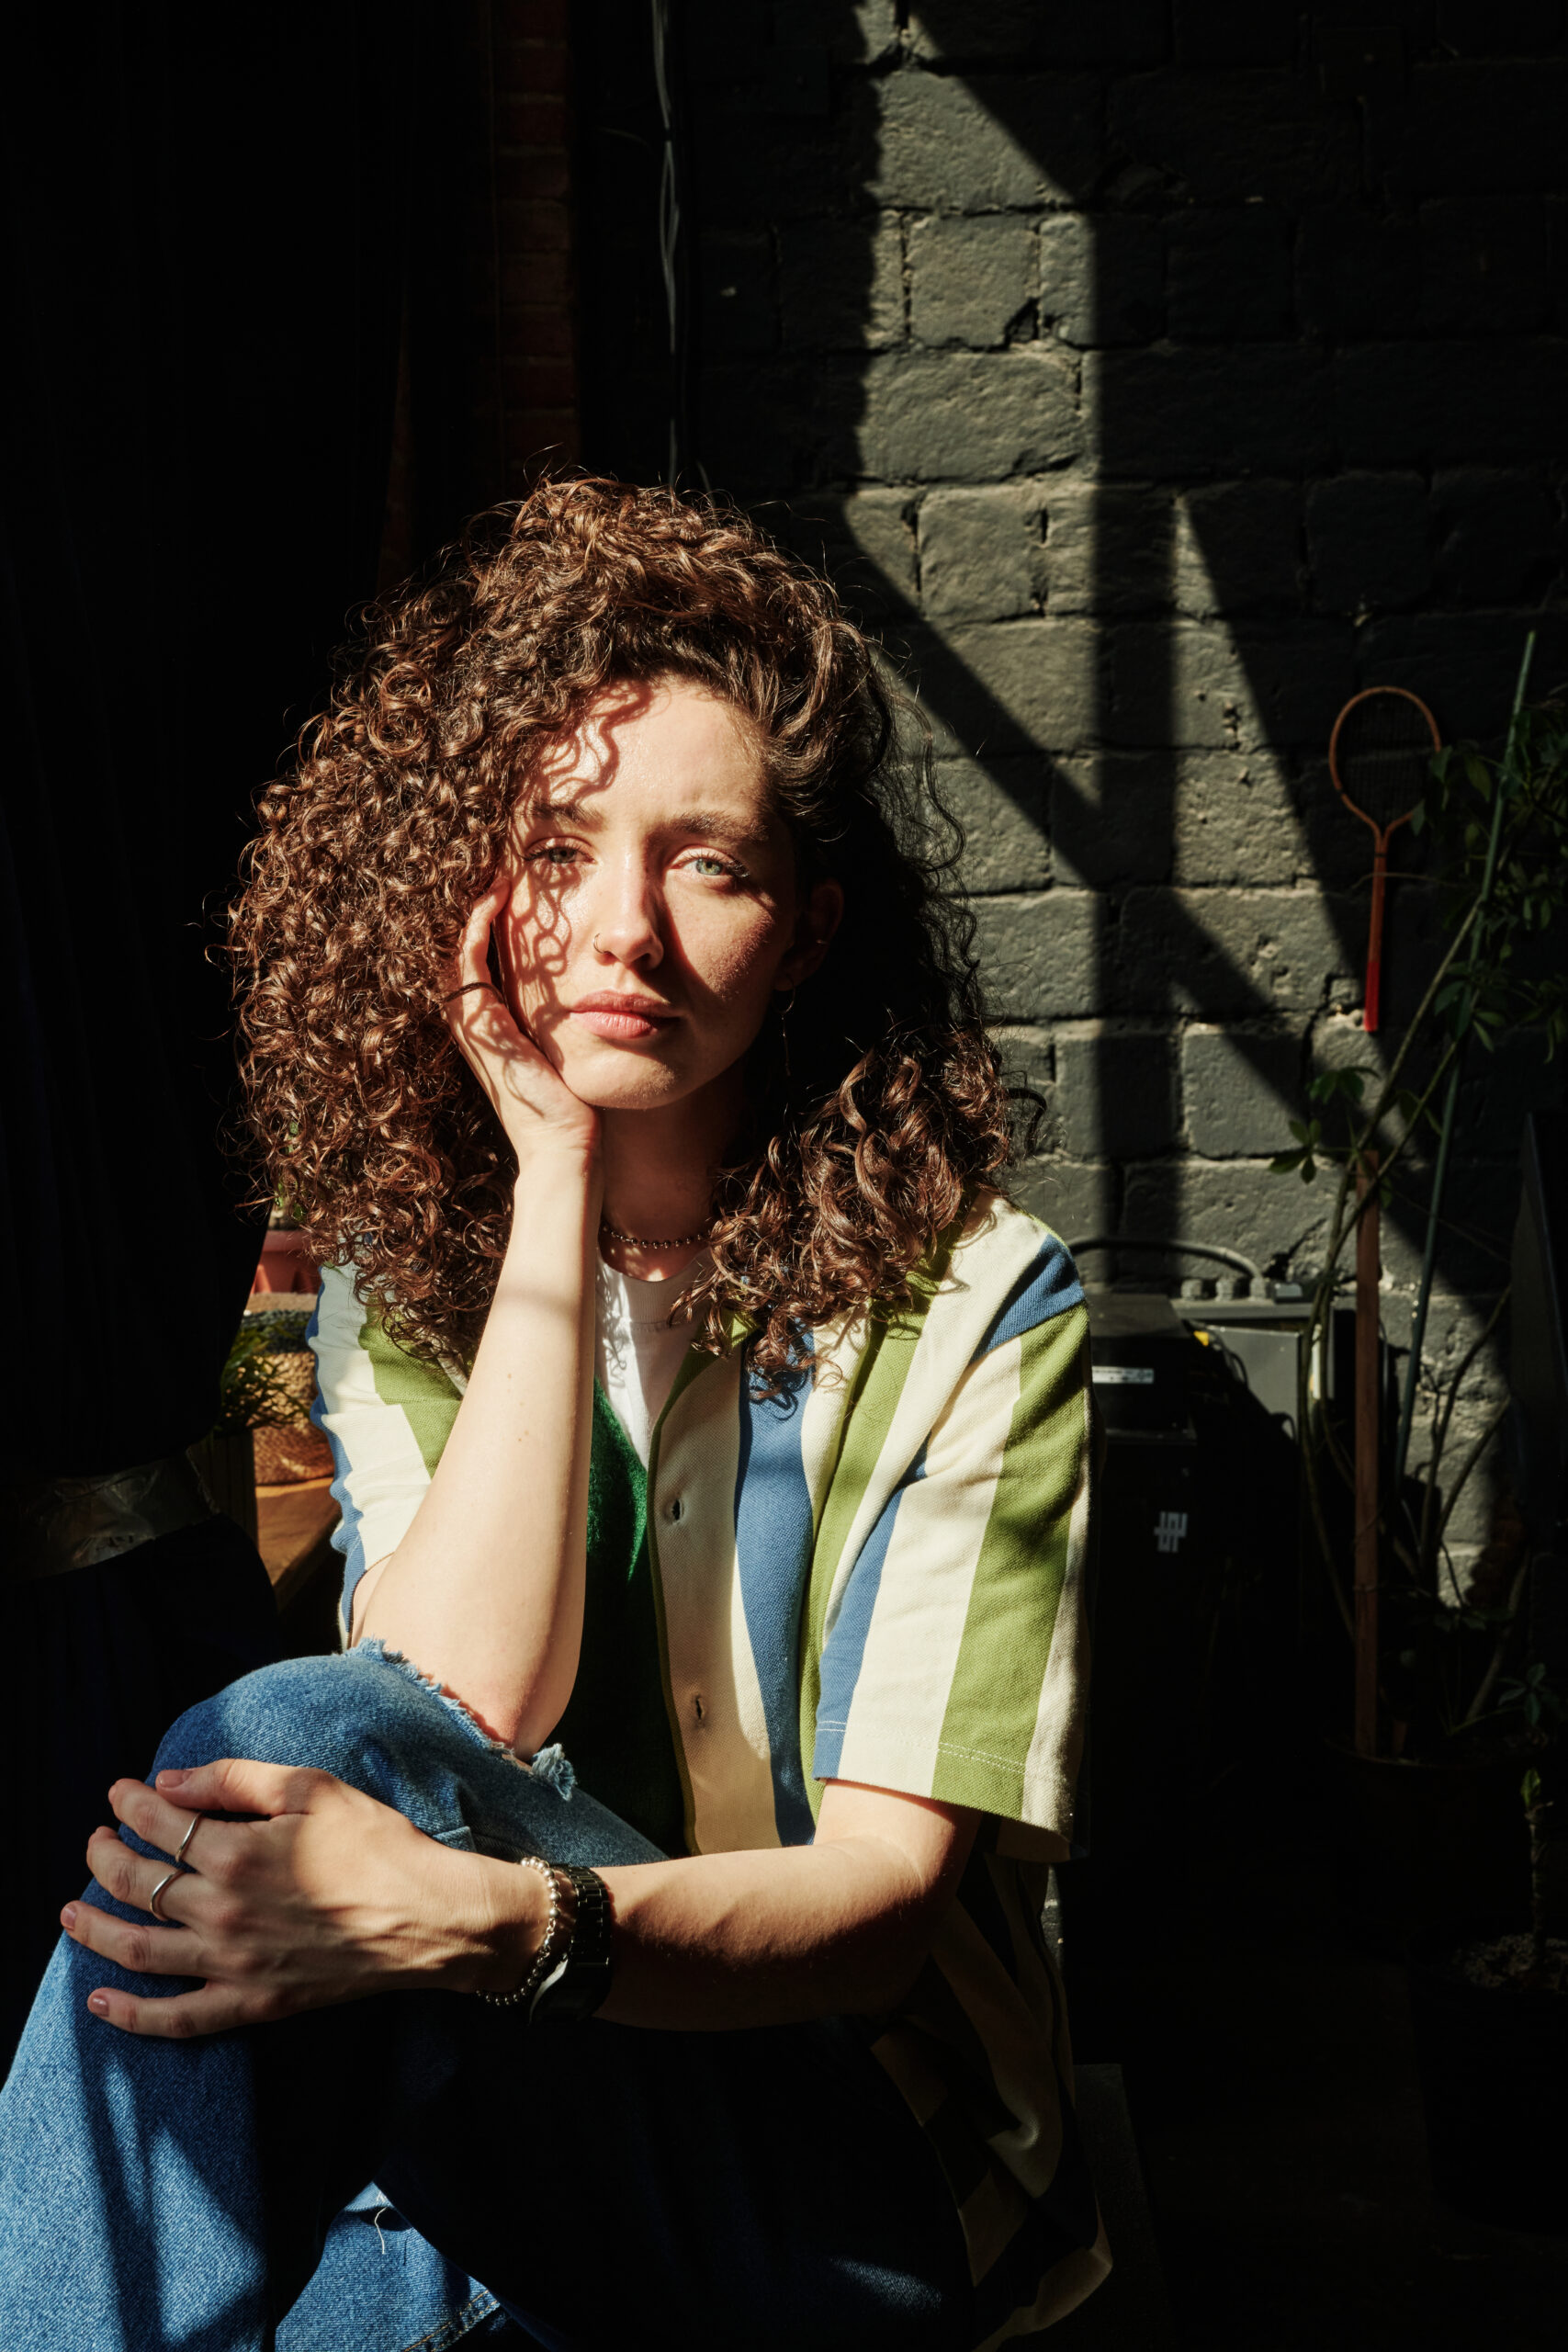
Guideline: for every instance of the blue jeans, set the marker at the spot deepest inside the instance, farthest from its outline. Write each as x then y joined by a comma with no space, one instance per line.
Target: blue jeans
587,2186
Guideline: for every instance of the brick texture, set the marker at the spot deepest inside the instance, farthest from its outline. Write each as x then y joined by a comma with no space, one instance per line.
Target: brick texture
1152,394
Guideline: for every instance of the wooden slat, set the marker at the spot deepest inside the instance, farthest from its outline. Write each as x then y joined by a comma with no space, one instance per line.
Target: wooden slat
1367,1328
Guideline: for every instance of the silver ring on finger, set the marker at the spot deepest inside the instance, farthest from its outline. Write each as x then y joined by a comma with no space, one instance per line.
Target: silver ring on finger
157,1891
196,1821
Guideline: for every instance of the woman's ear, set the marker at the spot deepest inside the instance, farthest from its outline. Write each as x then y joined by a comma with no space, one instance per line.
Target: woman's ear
819,920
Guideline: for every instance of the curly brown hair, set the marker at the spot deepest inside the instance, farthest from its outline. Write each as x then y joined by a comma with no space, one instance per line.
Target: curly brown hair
865,1136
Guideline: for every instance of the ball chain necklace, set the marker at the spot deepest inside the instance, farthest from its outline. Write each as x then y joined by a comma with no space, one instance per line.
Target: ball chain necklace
638,1241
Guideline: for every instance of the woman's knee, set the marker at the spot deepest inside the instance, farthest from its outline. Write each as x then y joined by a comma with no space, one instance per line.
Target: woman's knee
316,1711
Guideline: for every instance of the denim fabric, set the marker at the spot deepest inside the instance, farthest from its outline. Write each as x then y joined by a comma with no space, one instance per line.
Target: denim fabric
606,2185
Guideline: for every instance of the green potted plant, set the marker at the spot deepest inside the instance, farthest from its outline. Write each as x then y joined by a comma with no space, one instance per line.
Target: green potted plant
264,1394
1432,1775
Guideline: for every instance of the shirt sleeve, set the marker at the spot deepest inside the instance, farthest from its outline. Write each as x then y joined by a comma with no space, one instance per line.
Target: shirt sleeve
956,1668
386,1417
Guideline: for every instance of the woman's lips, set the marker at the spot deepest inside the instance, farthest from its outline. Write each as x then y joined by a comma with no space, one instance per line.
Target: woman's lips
622,1024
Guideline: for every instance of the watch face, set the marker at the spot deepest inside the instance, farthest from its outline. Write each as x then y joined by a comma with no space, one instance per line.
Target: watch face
577,1985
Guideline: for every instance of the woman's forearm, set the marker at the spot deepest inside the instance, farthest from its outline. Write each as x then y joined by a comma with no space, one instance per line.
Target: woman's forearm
484,1593
722,1940
759,1936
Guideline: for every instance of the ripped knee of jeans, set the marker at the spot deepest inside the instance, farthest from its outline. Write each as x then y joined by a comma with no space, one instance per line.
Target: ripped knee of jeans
551,1766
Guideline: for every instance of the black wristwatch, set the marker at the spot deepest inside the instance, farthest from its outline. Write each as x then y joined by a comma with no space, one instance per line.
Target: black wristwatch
577,1984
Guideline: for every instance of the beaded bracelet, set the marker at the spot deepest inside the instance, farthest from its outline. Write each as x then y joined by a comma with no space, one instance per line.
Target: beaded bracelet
545,1958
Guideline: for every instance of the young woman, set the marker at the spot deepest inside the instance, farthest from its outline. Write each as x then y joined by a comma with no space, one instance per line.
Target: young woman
704,1415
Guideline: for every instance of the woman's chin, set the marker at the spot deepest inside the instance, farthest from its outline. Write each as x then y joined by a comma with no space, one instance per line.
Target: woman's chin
628,1082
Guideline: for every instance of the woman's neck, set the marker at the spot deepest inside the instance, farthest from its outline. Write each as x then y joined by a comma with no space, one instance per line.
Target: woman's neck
659,1173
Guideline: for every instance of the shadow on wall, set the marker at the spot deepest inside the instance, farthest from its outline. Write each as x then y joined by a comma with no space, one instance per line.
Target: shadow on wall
1154,376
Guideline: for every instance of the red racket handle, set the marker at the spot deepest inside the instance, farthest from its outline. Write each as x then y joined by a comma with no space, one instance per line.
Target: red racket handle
1374,939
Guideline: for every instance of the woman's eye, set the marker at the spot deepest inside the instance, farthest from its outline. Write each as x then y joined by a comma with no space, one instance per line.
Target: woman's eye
552,853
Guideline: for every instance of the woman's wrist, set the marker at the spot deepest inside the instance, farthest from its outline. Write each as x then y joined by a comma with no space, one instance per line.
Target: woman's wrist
501,1918
548,1165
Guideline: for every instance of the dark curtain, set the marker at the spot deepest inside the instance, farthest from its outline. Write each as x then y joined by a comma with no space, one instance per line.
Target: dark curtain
206,214
222,230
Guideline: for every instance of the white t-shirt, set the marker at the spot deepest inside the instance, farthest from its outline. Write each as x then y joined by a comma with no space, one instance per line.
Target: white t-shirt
639,1351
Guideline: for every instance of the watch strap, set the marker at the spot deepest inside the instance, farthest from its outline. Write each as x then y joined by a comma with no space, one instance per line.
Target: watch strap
578,1983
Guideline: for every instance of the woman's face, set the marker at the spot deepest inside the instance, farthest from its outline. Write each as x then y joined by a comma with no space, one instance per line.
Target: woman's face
655,909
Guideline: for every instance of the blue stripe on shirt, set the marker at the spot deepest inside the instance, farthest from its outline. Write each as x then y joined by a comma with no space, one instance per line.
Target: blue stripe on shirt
845,1652
775,1528
1047,1287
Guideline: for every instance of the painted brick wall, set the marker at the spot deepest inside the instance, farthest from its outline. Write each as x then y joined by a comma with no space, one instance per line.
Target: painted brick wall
1155,376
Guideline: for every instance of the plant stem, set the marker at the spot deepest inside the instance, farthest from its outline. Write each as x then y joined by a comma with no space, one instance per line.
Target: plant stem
1469,1234
1314,1427
1468,1465
1320,1525
1341,1226
1450,1108
1516,1592
1412,1125
1442,1414
1366,1520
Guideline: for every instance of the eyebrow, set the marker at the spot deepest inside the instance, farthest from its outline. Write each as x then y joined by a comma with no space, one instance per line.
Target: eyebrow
707,824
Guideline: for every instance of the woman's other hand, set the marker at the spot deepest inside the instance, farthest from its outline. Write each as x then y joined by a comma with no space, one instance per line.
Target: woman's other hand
327,1896
533,1102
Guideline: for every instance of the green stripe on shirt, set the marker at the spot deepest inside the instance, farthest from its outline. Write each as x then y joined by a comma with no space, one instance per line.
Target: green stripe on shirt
427,1397
1000,1666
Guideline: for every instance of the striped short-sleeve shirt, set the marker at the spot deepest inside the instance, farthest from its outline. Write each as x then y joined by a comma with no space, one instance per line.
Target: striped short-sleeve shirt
877,1577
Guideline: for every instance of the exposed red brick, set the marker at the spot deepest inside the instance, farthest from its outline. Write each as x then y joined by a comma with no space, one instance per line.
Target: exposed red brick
540,227
532,65
540,383
527,237
530,121
546,330
538,441
532,173
528,20
531,430
534,278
